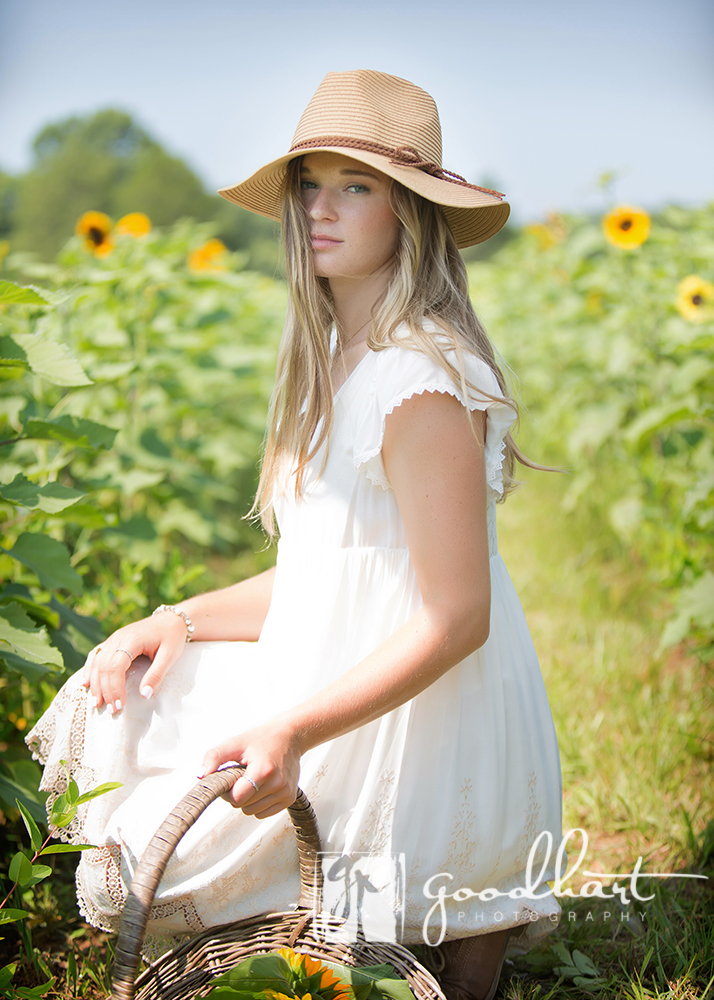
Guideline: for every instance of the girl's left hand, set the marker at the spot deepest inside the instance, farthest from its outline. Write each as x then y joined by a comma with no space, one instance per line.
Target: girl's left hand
272,760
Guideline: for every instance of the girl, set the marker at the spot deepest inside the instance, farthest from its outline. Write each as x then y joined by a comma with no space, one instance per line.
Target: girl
385,661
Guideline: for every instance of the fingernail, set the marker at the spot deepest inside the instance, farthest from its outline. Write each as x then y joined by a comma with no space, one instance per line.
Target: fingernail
117,705
110,708
146,692
93,701
201,775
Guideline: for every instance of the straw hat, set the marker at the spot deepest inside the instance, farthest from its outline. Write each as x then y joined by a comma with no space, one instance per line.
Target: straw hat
392,125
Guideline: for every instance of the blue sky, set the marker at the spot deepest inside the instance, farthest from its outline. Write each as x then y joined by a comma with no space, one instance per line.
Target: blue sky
539,96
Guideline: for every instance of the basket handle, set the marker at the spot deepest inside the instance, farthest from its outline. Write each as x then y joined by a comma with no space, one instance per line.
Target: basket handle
153,863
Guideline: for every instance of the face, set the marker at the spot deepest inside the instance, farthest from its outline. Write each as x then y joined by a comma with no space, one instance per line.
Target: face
354,231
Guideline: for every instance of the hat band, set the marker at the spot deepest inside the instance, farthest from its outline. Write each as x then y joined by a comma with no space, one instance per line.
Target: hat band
400,156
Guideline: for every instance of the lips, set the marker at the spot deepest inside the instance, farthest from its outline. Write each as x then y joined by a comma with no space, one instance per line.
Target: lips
321,241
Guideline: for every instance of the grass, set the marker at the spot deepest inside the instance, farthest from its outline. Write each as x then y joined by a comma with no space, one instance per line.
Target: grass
635,736
636,747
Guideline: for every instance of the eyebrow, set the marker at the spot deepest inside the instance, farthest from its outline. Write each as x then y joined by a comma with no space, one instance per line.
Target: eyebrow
347,173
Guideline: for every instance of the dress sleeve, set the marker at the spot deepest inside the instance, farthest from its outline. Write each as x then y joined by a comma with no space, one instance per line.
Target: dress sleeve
401,373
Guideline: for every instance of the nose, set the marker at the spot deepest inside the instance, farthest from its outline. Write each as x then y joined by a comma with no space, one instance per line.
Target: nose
322,205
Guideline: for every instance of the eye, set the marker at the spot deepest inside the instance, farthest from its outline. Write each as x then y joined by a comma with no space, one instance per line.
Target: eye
357,188
307,185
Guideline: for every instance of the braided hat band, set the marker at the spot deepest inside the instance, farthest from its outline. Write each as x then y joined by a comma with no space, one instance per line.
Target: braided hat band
403,156
393,126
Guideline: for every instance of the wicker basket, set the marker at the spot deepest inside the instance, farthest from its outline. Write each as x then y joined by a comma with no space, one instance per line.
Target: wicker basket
187,971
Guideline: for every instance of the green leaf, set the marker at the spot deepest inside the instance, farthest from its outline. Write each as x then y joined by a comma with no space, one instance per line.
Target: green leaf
50,498
67,848
588,984
49,559
78,431
373,981
30,644
51,360
32,671
12,294
39,872
259,973
14,612
584,964
93,793
9,916
20,869
8,971
62,812
12,352
36,837
40,613
34,992
11,788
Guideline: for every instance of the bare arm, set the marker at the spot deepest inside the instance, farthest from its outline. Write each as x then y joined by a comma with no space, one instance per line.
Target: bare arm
236,612
436,467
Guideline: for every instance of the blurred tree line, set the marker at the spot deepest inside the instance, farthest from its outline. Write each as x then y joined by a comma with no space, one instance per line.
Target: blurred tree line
107,163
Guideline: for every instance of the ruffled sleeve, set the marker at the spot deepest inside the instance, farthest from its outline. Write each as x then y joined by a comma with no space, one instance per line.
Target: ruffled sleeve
400,373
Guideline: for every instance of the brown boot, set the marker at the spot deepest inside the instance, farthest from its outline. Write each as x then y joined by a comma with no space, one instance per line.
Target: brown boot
472,966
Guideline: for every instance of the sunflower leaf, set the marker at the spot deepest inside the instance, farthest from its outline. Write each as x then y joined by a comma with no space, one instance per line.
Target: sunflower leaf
49,559
12,294
51,360
78,431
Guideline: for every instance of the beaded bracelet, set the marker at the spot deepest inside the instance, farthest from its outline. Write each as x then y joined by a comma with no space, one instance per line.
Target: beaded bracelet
182,614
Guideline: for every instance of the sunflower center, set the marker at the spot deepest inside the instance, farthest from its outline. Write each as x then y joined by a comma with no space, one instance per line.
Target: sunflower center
697,300
96,236
625,225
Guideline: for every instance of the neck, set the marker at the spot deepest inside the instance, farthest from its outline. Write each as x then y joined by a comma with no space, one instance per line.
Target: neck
355,298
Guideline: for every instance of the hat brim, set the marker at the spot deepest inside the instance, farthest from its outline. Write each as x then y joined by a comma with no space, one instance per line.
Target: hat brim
473,216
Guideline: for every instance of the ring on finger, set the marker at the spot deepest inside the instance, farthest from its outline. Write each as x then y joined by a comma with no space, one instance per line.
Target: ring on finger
248,778
122,650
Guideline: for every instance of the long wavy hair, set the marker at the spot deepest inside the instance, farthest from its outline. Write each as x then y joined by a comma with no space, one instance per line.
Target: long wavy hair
429,282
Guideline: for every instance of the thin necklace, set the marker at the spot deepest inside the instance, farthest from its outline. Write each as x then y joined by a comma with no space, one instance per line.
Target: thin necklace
349,340
342,347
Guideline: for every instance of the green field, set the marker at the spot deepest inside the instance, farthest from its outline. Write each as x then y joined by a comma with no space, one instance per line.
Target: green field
132,404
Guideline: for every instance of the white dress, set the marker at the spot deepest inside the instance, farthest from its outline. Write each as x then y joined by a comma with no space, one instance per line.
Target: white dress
459,780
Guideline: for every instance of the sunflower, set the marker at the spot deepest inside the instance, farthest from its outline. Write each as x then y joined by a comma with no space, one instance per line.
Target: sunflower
626,227
208,257
304,968
133,224
95,227
695,299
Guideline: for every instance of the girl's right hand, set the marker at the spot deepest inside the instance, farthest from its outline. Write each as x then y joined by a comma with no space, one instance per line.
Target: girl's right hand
160,637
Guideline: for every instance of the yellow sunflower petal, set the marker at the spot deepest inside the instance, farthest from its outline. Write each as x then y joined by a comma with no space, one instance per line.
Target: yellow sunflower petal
95,228
311,965
291,957
103,249
328,978
626,227
134,224
208,257
695,299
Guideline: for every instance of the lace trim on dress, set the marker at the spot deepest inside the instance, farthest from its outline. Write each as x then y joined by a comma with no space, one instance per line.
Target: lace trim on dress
494,462
41,739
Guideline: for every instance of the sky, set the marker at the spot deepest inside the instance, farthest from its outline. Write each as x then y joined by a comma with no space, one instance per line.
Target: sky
537,98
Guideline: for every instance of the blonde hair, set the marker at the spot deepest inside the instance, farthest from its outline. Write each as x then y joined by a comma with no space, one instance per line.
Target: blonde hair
429,283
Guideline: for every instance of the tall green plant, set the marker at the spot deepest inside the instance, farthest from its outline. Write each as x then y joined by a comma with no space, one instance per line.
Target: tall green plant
618,376
131,417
